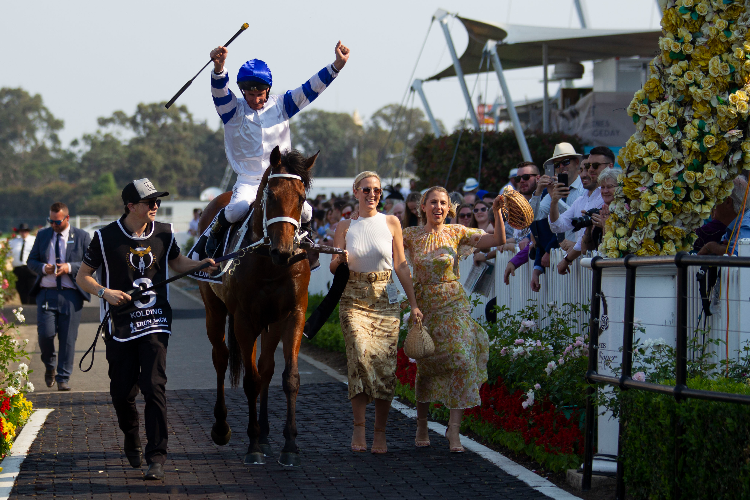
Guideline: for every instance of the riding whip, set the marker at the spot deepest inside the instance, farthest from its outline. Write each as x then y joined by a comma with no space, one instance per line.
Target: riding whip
184,87
134,294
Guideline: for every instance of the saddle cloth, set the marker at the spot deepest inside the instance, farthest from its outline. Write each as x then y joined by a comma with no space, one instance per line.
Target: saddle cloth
198,252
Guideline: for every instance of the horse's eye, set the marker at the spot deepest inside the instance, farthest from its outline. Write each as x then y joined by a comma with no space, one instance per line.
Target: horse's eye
301,200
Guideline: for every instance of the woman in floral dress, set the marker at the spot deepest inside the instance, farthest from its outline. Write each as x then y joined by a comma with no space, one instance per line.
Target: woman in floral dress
458,368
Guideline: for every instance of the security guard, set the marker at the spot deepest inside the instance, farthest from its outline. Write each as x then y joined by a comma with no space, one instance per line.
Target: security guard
132,253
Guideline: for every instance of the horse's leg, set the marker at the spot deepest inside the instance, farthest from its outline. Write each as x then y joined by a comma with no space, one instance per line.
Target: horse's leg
268,344
247,334
216,319
290,330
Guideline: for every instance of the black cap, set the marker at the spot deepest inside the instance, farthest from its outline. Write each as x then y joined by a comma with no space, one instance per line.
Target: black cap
22,227
141,189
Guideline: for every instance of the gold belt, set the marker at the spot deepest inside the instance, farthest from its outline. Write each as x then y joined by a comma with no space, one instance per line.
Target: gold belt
370,277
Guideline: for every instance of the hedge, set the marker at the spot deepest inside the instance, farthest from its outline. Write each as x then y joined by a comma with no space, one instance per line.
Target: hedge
716,444
432,156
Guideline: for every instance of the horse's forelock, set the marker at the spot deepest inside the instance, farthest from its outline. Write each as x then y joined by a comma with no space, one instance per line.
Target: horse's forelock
294,163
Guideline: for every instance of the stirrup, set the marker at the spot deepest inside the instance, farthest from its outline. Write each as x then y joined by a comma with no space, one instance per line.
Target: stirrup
215,234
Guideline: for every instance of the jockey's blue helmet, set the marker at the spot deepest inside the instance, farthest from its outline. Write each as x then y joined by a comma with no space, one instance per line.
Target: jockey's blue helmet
254,75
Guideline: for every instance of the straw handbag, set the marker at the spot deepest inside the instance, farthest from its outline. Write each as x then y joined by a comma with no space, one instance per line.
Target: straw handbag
517,211
418,343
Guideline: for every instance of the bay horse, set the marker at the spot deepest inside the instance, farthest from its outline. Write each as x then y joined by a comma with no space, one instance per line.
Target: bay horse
266,296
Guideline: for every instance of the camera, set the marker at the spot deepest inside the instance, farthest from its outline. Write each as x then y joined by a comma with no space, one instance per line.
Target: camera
584,220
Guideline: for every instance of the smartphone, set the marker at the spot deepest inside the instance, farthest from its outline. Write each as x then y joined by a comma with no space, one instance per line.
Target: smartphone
549,170
563,178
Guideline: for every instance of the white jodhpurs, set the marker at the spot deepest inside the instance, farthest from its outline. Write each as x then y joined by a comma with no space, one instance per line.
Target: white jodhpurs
244,194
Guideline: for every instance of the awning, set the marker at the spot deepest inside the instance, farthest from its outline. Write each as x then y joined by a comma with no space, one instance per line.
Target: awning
520,46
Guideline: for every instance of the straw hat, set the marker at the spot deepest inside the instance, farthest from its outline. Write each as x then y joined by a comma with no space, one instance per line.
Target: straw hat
517,211
471,184
563,150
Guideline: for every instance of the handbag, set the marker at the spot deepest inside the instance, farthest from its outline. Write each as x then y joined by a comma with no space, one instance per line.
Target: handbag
418,343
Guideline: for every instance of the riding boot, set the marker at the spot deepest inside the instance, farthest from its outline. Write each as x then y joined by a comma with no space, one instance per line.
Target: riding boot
216,233
321,314
312,255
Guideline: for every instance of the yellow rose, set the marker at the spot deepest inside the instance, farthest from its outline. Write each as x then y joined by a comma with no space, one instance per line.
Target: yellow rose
666,157
701,9
653,199
746,146
668,248
687,48
696,195
661,128
742,106
612,243
725,69
667,216
739,53
741,95
687,207
658,178
690,76
705,82
721,24
672,233
709,141
706,94
672,121
699,178
733,99
689,177
643,110
687,3
621,231
653,167
622,245
667,195
675,47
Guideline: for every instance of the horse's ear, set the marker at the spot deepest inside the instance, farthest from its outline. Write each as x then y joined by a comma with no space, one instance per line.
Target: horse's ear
275,156
311,161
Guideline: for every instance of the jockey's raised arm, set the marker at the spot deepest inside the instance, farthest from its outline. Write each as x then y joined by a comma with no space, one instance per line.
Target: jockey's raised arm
256,124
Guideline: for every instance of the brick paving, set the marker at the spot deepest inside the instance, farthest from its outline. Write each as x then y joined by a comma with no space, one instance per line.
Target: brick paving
77,454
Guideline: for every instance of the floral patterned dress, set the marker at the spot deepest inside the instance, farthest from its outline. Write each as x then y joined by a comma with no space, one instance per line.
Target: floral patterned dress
458,368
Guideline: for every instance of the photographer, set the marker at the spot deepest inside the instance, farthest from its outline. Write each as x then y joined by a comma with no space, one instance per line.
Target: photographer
599,159
592,236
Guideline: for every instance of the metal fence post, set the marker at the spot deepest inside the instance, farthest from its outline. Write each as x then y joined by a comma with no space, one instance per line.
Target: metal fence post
680,365
588,447
627,364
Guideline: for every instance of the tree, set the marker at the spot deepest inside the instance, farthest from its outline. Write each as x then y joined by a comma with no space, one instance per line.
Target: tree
335,135
30,152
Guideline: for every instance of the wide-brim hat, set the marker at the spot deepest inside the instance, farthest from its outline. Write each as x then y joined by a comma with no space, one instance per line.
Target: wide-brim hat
141,189
22,227
563,150
471,184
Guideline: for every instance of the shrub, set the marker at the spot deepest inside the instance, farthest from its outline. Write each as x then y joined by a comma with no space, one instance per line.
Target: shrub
500,153
716,444
329,337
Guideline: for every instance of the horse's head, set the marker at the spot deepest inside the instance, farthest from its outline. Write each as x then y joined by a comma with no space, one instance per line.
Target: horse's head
285,186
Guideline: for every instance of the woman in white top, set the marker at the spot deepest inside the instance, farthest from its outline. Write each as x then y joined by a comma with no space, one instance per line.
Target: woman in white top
369,309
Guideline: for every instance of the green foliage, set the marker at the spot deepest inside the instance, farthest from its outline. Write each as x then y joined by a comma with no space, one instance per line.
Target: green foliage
525,352
500,153
329,337
716,444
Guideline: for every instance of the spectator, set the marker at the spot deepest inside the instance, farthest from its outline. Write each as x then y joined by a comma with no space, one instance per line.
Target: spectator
465,215
599,159
387,205
481,217
732,206
512,182
20,248
456,198
193,227
470,189
346,211
592,237
398,210
411,217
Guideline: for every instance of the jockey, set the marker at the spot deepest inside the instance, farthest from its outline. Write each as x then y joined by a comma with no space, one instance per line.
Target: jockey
255,125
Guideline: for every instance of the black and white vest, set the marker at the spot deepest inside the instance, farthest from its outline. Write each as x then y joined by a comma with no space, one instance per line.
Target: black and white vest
131,262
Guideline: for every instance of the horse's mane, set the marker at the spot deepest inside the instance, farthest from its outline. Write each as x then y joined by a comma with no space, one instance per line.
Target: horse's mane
294,163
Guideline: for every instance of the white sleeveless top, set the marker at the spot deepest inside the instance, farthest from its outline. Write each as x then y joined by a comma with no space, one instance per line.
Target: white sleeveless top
370,244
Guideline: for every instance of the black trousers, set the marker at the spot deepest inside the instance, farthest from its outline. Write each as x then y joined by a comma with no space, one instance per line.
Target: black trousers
25,279
141,363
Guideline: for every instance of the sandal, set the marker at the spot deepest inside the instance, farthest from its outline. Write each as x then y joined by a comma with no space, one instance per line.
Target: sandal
422,443
455,448
379,451
359,447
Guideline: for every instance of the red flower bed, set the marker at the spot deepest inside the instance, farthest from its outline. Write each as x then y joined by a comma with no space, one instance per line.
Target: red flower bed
542,424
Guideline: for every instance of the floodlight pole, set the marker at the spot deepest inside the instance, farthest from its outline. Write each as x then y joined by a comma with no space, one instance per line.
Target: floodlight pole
581,9
491,47
545,102
417,87
442,17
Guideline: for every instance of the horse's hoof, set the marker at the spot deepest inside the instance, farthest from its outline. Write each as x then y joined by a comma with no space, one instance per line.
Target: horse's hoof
266,449
219,439
289,459
255,458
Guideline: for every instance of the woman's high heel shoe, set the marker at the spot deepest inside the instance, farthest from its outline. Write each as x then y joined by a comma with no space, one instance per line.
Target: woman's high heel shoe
455,448
357,446
379,451
423,438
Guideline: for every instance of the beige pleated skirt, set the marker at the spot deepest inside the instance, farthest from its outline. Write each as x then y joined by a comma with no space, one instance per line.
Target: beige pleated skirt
370,327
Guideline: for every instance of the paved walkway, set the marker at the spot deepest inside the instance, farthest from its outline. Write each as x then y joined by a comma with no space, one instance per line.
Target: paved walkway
77,453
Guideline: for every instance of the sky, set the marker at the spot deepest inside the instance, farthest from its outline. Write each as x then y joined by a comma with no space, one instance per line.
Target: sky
88,59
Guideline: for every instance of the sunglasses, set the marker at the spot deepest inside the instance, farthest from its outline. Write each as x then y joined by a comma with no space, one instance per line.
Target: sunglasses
367,190
587,166
524,177
152,204
480,209
57,222
464,215
563,163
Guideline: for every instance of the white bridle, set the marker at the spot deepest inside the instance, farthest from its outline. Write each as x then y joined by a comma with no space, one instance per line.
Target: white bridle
268,222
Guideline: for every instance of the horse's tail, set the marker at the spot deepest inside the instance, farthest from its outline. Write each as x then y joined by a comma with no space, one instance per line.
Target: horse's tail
235,356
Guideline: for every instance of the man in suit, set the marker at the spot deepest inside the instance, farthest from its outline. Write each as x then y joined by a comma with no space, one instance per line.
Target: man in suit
20,248
56,258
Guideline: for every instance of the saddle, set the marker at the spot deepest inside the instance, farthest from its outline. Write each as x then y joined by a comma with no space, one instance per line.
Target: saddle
226,246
